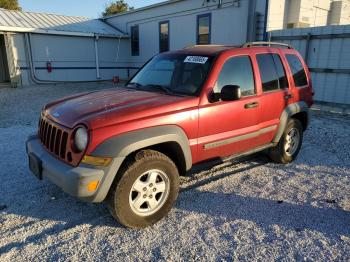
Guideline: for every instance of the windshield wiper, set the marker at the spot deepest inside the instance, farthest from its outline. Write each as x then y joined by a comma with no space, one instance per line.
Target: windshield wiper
134,84
160,87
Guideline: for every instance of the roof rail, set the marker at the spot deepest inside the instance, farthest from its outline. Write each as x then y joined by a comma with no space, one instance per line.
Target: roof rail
251,44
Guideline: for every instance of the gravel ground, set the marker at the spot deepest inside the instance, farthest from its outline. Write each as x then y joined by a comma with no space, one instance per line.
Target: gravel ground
252,210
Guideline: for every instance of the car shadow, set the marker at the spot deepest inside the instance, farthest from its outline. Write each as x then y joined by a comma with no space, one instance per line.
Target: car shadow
266,212
332,221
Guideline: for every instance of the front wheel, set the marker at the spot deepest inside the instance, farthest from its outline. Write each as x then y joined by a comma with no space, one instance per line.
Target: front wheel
145,191
290,143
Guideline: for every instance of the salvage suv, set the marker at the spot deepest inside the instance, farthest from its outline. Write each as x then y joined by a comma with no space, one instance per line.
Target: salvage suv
128,146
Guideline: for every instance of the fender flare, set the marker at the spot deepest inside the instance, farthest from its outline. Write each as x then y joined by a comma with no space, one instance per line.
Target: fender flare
124,144
287,113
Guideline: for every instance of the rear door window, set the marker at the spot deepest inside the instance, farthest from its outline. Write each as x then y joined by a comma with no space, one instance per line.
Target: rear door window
281,73
298,70
273,76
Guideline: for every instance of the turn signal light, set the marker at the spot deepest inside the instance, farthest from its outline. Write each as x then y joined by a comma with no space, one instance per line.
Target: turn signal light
92,186
96,161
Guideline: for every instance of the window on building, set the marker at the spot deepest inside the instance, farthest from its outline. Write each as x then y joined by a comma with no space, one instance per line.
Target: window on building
237,71
203,29
272,73
135,41
164,36
298,70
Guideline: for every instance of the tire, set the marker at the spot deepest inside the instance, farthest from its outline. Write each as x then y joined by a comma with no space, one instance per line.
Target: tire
279,153
124,200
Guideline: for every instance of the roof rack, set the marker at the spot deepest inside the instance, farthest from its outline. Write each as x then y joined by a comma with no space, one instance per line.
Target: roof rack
251,44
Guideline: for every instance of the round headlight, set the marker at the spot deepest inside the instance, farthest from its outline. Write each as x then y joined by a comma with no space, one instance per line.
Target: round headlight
81,139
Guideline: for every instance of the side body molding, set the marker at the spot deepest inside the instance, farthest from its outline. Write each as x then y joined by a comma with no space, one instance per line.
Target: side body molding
124,144
288,112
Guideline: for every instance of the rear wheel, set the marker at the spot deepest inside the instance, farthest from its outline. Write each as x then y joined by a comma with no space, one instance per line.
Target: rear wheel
146,190
290,143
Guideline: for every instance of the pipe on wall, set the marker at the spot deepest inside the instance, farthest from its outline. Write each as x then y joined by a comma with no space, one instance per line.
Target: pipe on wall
29,55
35,78
97,58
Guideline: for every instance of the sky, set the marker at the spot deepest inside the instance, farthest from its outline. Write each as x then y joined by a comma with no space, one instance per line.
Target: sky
89,8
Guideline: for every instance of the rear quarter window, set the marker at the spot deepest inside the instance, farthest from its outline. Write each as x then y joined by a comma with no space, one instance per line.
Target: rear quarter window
298,70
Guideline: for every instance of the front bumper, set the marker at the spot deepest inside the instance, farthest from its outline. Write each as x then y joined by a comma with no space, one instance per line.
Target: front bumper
74,180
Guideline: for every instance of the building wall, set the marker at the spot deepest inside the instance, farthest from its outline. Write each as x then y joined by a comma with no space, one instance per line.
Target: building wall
293,14
72,58
320,13
16,58
4,72
335,17
340,14
230,24
307,13
345,14
276,14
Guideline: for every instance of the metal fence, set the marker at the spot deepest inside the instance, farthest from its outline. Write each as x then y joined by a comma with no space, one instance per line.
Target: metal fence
326,50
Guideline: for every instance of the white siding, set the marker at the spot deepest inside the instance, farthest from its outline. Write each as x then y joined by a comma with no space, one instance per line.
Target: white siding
64,52
72,58
229,24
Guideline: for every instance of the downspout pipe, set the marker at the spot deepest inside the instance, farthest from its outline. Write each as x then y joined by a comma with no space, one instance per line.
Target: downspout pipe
97,60
30,61
33,76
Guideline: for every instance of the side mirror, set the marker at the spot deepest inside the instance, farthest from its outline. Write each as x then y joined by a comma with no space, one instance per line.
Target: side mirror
230,93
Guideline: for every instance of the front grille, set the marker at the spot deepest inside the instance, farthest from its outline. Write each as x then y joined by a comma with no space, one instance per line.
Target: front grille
55,139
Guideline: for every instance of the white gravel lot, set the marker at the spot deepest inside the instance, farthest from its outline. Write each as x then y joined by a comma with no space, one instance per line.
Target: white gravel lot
253,210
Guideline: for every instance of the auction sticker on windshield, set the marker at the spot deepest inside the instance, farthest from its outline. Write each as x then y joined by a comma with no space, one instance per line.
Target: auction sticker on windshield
196,59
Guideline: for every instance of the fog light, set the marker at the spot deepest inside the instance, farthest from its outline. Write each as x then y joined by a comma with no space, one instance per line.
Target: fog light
92,186
96,161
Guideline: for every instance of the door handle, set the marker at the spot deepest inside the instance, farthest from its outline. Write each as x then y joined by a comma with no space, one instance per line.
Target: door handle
289,96
251,105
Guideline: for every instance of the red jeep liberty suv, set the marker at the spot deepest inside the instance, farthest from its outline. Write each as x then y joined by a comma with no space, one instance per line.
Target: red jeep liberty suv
129,145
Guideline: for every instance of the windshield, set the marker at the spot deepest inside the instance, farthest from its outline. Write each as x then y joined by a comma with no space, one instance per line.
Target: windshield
173,74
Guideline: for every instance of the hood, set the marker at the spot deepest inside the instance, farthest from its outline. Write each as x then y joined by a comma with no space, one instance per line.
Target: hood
107,107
